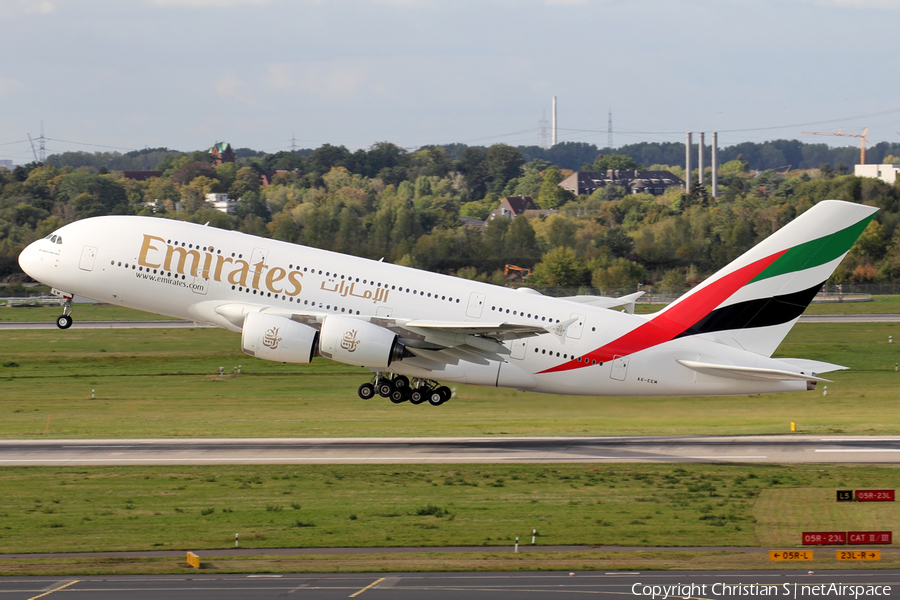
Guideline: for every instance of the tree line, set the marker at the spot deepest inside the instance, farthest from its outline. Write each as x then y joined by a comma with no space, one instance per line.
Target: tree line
405,207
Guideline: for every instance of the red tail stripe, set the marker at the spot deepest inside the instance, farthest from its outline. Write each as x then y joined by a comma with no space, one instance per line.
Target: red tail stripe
676,319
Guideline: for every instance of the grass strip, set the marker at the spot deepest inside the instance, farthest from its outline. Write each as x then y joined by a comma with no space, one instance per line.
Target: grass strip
165,383
93,509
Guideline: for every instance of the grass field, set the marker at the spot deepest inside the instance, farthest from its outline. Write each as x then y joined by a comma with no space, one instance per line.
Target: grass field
201,508
81,312
164,383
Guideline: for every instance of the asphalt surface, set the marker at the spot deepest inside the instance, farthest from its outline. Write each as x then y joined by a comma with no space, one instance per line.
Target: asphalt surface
849,319
471,586
187,324
103,325
210,451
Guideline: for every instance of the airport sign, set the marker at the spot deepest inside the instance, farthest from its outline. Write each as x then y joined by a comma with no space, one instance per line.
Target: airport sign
870,537
874,495
824,538
790,554
858,555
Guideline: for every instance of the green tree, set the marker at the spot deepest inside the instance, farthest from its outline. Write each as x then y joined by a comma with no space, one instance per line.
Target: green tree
551,195
620,162
560,267
501,163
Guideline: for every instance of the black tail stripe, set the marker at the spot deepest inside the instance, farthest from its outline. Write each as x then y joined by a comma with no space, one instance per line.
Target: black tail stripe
763,312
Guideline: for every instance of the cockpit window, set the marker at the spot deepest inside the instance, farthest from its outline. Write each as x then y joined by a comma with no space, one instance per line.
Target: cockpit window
53,239
59,239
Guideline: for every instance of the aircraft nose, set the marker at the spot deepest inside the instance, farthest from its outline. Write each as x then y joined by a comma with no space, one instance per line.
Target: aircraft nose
30,261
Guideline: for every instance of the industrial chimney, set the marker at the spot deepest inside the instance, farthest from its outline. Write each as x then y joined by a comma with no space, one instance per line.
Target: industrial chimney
553,125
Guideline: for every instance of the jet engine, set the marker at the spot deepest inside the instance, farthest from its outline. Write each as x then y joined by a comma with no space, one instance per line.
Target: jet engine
271,337
357,342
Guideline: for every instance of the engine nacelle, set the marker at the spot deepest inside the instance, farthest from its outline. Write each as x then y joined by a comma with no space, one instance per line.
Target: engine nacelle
356,342
271,337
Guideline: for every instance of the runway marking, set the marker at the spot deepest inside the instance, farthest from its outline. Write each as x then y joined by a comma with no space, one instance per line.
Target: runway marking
373,584
54,590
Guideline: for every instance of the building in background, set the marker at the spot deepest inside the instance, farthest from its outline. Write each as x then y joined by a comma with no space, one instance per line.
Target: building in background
222,153
513,206
886,173
222,203
585,183
6,163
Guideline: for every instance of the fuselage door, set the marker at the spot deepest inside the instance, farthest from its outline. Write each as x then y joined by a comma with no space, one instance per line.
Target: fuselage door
200,286
88,254
384,311
518,349
575,329
619,368
476,304
258,259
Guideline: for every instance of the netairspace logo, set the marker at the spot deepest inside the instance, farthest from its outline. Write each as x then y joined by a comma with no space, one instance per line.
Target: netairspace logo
786,590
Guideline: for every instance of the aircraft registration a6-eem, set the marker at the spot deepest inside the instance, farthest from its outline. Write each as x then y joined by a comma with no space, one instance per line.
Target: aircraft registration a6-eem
412,328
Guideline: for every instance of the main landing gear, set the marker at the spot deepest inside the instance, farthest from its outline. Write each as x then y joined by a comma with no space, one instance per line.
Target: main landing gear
399,389
64,321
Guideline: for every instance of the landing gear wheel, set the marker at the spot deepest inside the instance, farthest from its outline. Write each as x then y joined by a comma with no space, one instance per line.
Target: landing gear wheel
445,392
416,397
435,398
398,396
64,321
401,382
366,391
384,388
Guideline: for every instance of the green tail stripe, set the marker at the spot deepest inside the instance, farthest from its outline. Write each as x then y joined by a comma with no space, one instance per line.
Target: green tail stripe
816,252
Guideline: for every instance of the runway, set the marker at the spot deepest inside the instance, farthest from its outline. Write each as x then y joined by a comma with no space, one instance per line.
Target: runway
696,585
13,325
748,449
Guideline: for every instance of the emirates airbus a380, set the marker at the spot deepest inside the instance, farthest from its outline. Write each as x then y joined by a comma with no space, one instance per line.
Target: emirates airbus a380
412,328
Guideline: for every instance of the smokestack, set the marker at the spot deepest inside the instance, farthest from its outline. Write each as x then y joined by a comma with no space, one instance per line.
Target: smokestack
553,126
700,162
688,142
715,164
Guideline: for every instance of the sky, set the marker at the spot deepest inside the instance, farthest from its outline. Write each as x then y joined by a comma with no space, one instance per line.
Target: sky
184,74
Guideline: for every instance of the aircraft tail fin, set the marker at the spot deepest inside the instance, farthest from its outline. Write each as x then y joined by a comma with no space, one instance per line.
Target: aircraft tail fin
753,302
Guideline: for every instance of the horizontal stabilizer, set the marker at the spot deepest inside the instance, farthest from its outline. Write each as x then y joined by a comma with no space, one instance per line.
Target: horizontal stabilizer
813,366
747,373
607,301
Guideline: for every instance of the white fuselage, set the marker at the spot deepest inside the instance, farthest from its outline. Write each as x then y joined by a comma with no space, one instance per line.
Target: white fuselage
186,271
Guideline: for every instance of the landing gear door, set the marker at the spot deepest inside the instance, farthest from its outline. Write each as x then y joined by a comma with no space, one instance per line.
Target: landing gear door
88,254
619,368
476,304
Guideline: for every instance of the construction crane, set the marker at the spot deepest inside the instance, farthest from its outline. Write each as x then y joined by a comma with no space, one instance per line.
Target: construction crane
862,140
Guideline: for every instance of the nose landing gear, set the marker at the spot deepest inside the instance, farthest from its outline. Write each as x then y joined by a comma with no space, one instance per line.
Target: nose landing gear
399,389
64,321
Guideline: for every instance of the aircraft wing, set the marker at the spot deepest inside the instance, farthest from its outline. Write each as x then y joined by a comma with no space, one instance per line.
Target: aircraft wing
606,301
432,342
